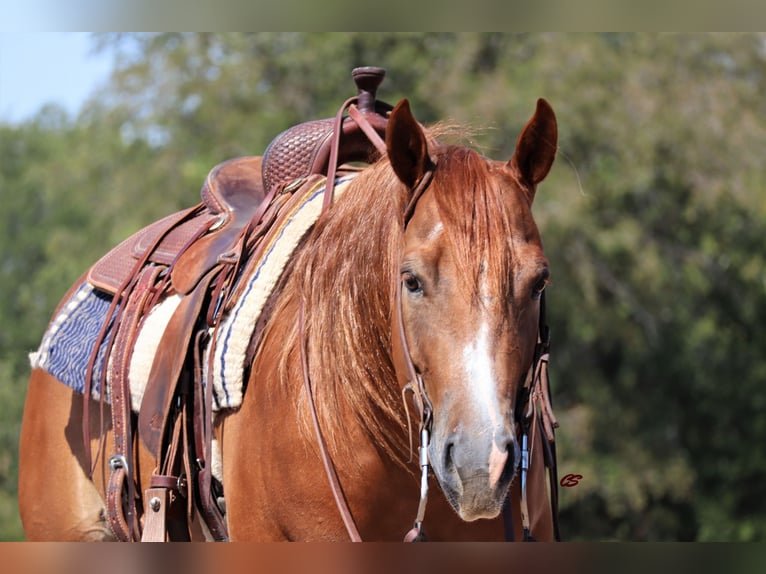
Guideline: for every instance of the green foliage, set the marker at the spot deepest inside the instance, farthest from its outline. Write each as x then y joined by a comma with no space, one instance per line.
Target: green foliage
664,283
654,218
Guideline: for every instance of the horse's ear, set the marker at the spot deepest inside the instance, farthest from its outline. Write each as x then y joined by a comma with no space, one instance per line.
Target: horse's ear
406,145
536,147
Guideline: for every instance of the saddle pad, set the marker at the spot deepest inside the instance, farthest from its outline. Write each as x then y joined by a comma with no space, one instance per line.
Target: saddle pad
67,345
69,340
232,338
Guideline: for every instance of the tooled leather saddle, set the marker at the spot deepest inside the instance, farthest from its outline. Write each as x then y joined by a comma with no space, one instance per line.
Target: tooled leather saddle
199,254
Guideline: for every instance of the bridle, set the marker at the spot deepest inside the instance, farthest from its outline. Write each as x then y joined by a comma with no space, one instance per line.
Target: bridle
533,406
533,411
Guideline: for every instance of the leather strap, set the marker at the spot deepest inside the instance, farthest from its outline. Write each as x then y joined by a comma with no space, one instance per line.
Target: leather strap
332,474
171,479
537,421
155,528
418,190
120,296
332,166
125,527
367,128
510,536
203,438
116,519
414,382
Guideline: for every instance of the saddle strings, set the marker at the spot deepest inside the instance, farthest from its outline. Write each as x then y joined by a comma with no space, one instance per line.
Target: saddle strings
332,165
368,130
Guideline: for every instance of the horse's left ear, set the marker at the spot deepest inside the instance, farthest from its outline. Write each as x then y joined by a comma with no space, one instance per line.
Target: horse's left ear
536,147
406,145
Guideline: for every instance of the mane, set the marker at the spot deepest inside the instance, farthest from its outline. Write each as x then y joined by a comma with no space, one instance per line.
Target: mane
346,274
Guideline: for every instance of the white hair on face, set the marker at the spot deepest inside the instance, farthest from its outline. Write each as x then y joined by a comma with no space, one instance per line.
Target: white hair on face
478,364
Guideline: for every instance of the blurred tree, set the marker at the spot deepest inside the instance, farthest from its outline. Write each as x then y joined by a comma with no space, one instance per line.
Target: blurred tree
654,218
661,258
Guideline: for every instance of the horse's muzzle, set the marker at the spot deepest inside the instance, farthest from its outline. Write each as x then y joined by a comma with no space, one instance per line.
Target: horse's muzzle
475,471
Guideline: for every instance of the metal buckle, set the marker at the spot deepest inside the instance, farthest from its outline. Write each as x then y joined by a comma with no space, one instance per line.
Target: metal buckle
181,486
118,462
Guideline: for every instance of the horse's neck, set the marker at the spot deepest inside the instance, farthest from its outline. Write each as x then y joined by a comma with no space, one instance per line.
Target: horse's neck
343,280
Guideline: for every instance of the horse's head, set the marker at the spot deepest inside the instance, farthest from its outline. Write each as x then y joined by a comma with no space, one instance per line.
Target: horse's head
472,272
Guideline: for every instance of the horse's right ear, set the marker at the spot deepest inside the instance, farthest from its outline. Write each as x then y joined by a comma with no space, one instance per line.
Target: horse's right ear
406,145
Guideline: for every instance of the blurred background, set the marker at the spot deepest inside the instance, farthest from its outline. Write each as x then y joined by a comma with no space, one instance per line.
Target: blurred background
654,218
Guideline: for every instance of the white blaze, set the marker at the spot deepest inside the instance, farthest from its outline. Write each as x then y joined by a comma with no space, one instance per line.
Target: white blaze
477,357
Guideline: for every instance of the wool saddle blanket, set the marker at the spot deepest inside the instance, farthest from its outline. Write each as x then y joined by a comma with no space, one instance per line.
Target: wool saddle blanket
73,333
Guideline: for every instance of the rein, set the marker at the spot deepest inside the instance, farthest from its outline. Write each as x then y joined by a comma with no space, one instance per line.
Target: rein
329,466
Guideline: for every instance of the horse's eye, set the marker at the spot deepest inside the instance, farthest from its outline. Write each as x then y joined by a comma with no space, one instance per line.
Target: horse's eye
542,282
412,283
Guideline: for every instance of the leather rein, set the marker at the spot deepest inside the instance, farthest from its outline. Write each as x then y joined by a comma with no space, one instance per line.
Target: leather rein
533,409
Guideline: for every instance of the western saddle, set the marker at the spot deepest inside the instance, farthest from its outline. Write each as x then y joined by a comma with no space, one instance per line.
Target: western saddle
200,254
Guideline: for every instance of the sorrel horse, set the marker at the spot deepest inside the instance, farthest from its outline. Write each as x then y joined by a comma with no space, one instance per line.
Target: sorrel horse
421,284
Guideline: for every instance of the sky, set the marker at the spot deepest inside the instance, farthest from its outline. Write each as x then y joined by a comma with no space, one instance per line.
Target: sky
40,68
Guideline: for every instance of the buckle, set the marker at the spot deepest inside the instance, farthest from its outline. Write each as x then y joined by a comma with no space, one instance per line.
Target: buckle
118,462
181,486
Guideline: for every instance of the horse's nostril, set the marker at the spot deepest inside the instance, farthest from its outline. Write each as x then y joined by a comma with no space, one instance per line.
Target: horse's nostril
449,461
512,462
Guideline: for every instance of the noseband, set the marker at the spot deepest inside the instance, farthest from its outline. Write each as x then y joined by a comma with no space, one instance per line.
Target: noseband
533,406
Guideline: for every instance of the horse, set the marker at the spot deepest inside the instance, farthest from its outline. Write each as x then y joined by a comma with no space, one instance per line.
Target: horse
413,302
